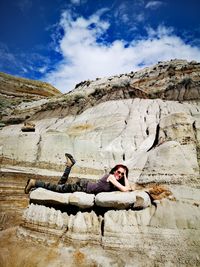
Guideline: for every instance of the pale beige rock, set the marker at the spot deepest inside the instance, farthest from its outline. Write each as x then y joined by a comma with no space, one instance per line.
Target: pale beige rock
180,127
186,194
149,120
84,227
82,200
176,215
43,216
19,146
43,224
122,131
123,200
172,226
118,200
168,163
44,195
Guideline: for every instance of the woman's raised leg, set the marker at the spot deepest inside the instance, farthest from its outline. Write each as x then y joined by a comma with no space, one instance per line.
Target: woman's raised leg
70,162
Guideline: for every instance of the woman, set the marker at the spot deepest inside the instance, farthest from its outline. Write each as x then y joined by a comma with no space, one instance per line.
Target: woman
117,179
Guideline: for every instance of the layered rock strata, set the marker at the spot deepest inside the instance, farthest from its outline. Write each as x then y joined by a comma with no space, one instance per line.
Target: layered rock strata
139,230
148,120
176,80
16,86
15,91
158,140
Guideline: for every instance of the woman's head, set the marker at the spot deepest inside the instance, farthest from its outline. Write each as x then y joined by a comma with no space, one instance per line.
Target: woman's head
119,171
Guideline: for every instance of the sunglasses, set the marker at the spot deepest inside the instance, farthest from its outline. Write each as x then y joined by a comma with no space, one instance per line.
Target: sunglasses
122,173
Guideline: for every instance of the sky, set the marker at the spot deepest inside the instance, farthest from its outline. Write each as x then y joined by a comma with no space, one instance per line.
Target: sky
64,42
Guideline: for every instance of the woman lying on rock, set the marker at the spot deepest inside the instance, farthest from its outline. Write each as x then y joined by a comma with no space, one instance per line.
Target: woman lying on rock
117,179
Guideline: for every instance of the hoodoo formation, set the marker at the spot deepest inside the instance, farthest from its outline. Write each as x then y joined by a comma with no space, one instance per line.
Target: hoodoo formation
148,120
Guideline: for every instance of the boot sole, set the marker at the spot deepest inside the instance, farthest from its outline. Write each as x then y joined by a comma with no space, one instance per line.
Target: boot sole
26,186
70,157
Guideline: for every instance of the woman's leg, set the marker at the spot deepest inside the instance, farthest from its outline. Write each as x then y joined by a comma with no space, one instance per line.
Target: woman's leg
65,175
60,188
70,162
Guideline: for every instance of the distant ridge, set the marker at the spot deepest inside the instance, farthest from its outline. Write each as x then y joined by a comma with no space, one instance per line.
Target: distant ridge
16,86
174,80
15,90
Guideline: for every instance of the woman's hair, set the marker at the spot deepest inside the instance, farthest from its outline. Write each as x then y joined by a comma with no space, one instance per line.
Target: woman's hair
119,166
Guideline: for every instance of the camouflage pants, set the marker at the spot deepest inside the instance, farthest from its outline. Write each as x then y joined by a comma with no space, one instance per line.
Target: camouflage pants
79,186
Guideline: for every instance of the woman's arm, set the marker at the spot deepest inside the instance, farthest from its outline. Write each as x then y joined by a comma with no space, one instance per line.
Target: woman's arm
112,179
126,182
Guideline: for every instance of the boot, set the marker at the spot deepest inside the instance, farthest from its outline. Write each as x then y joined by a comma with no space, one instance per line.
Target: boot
30,184
70,160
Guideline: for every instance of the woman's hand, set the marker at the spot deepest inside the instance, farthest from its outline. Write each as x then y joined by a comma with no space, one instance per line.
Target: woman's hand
112,179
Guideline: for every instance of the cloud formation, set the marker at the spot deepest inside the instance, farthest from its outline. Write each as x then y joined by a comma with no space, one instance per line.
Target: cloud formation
87,55
75,2
154,4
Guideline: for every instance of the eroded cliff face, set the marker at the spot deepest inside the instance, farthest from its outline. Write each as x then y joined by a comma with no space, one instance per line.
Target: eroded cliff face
117,119
148,120
16,86
15,90
158,140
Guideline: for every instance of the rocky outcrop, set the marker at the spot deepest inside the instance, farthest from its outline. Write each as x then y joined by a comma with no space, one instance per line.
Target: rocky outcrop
172,223
147,134
20,87
176,80
115,200
148,120
15,91
158,140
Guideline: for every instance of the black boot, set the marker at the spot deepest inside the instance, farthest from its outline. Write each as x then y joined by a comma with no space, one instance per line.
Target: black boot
30,184
70,160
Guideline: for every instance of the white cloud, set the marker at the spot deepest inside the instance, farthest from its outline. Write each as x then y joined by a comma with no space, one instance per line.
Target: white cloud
78,2
121,13
43,69
140,17
153,4
75,2
85,57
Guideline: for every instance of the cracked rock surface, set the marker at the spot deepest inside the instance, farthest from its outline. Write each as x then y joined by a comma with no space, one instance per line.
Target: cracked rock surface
148,120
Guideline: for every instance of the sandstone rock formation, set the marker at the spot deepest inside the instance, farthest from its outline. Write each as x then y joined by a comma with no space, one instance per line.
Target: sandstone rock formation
15,90
149,120
115,200
127,131
100,131
15,86
170,226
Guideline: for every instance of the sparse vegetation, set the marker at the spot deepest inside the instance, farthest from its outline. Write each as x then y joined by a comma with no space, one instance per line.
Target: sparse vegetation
8,103
78,97
98,93
186,82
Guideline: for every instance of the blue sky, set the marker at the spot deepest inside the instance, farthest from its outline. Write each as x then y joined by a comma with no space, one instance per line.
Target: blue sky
65,42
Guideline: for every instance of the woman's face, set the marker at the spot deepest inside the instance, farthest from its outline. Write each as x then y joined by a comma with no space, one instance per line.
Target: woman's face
119,173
